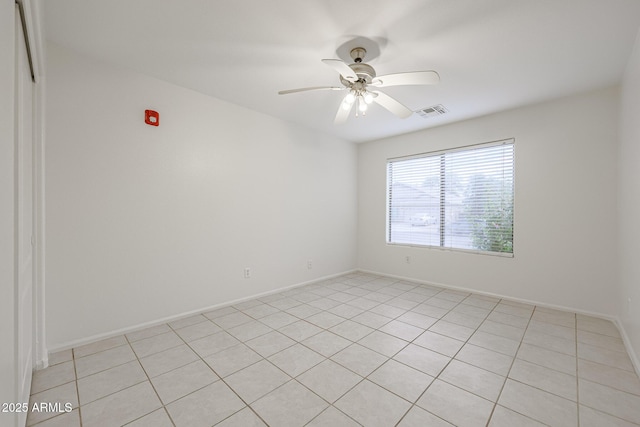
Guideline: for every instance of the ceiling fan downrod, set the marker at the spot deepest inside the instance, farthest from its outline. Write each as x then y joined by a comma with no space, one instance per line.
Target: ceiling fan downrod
357,54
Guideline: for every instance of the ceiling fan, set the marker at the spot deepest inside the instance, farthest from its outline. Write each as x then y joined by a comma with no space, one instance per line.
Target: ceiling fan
363,85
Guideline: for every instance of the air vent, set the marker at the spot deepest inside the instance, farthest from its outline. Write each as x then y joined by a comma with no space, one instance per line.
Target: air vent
433,111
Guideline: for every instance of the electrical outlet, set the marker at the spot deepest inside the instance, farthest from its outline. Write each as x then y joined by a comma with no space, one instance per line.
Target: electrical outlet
309,264
407,259
247,273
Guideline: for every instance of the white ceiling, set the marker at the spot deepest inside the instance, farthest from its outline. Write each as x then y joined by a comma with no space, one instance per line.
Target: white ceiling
491,54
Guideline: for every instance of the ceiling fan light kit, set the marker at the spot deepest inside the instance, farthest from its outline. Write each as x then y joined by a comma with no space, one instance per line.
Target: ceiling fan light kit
363,85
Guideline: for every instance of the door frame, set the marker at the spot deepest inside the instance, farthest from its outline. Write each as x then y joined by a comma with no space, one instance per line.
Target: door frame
31,22
24,216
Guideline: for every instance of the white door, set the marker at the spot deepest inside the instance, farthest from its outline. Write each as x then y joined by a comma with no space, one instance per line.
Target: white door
24,216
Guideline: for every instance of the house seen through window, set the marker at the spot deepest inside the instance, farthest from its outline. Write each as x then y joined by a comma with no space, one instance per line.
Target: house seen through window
456,199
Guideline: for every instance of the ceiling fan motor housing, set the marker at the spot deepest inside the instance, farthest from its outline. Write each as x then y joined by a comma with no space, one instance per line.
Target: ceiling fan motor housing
365,73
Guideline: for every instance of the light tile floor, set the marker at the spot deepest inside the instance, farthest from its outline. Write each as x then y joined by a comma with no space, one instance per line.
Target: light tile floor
355,350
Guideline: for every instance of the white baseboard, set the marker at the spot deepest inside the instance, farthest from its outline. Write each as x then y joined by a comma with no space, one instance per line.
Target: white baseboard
615,319
42,363
491,294
627,343
129,329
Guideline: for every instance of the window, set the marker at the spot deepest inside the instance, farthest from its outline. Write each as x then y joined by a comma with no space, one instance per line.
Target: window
456,199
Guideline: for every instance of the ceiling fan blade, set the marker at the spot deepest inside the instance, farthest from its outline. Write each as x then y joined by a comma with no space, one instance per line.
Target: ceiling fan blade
304,89
392,105
402,79
342,68
342,115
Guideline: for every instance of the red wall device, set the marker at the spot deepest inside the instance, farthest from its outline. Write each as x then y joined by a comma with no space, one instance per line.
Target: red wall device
151,117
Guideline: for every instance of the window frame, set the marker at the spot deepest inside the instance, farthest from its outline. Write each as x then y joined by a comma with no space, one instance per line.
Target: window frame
440,153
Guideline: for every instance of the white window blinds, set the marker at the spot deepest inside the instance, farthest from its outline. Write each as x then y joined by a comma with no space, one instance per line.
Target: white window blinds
457,199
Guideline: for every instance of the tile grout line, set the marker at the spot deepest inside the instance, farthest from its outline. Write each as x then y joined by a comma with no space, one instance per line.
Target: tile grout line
553,351
164,406
560,353
111,367
203,337
529,385
411,342
128,387
75,371
247,405
363,378
325,359
477,328
451,358
510,367
465,343
329,358
150,383
331,404
370,288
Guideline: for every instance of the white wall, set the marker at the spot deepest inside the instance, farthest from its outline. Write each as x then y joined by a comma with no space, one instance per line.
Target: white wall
629,200
7,188
565,225
147,222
